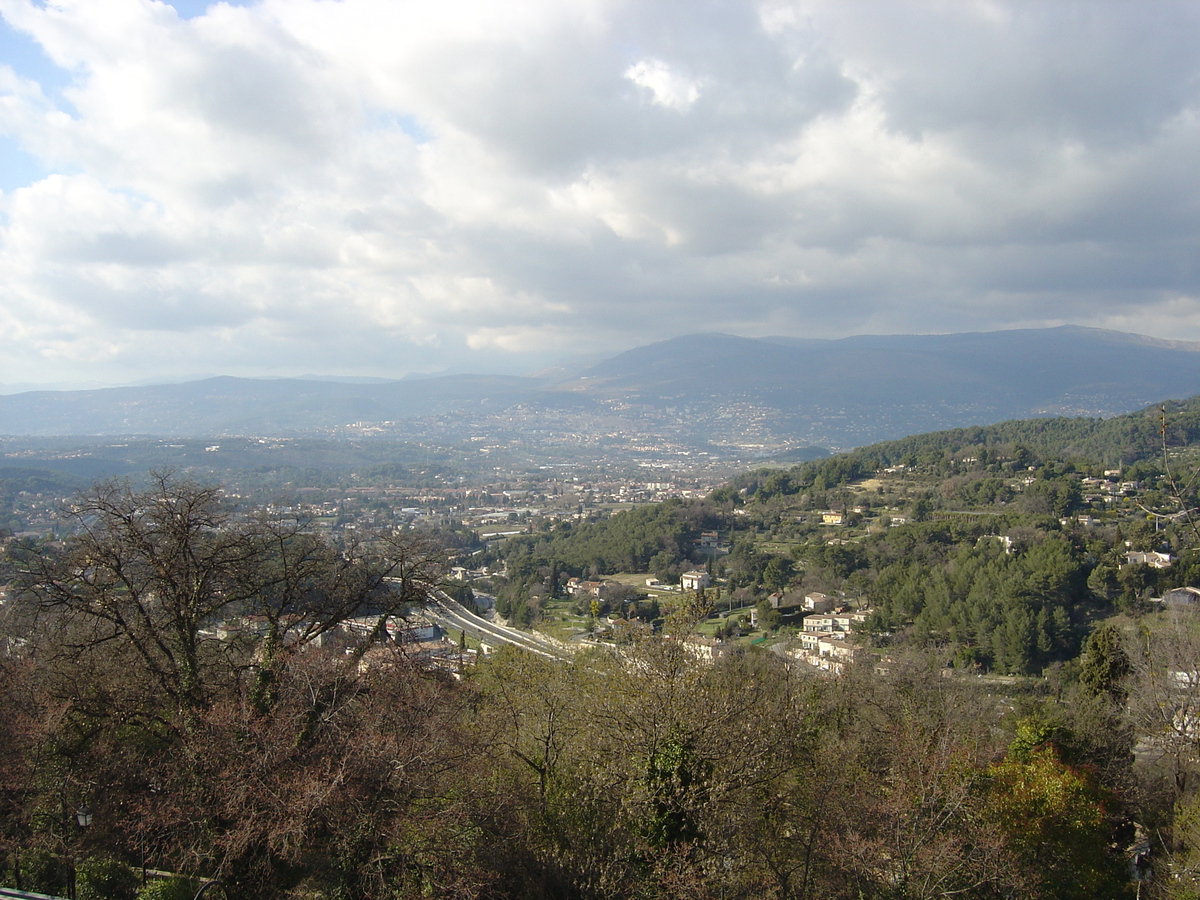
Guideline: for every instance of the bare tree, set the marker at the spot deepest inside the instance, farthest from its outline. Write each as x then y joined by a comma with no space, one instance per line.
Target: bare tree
149,574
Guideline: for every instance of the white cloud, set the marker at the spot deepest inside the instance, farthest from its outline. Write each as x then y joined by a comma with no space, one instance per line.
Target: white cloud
669,89
374,186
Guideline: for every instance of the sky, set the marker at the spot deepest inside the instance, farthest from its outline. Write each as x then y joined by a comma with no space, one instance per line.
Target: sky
385,187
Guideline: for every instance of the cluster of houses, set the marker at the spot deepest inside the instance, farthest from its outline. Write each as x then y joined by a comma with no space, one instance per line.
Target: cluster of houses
1153,558
843,517
415,637
826,640
422,640
1109,488
578,587
462,573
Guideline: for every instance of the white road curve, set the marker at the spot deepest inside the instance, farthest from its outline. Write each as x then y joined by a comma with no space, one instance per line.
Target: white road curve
453,614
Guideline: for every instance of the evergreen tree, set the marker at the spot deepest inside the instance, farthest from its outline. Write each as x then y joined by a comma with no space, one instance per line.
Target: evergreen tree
1105,663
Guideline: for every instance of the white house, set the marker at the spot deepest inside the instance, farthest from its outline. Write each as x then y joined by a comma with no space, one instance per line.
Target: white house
816,602
1151,558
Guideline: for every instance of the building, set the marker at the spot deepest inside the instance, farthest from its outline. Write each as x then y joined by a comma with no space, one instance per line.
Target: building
785,603
816,602
417,629
1184,596
833,623
579,588
695,580
1151,558
820,623
828,651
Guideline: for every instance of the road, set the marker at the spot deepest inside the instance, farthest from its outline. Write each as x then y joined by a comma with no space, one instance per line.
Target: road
451,614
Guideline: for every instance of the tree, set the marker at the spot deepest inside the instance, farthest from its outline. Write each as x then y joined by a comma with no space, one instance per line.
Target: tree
147,569
1165,704
769,618
1105,663
776,573
1183,493
677,782
1053,817
1102,581
147,572
1135,580
913,824
258,750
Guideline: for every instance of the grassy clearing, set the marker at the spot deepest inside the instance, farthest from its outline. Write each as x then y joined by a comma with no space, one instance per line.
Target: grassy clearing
633,579
559,621
779,548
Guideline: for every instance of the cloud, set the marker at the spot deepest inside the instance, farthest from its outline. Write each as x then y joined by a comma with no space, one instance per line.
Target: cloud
669,89
379,186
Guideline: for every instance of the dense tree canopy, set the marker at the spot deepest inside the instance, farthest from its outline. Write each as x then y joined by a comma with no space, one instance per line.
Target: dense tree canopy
650,774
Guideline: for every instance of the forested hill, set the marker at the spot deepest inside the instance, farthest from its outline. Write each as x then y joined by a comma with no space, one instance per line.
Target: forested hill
997,546
1120,441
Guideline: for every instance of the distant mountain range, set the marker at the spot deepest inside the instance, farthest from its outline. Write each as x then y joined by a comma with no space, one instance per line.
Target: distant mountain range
705,389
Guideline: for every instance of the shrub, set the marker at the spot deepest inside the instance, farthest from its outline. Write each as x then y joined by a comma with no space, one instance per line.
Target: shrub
41,871
177,888
98,878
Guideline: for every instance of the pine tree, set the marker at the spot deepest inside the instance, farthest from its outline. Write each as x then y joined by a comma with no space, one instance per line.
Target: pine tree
1105,663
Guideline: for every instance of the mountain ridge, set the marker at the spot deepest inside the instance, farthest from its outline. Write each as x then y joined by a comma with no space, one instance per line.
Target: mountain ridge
708,387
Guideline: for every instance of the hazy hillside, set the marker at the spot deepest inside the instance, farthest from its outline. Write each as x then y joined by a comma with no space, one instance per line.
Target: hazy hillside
221,406
869,388
771,393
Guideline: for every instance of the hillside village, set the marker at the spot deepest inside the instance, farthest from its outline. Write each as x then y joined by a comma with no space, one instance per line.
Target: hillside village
1102,513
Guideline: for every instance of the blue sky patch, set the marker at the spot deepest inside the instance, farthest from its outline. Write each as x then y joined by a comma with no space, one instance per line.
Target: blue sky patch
25,57
191,9
17,168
